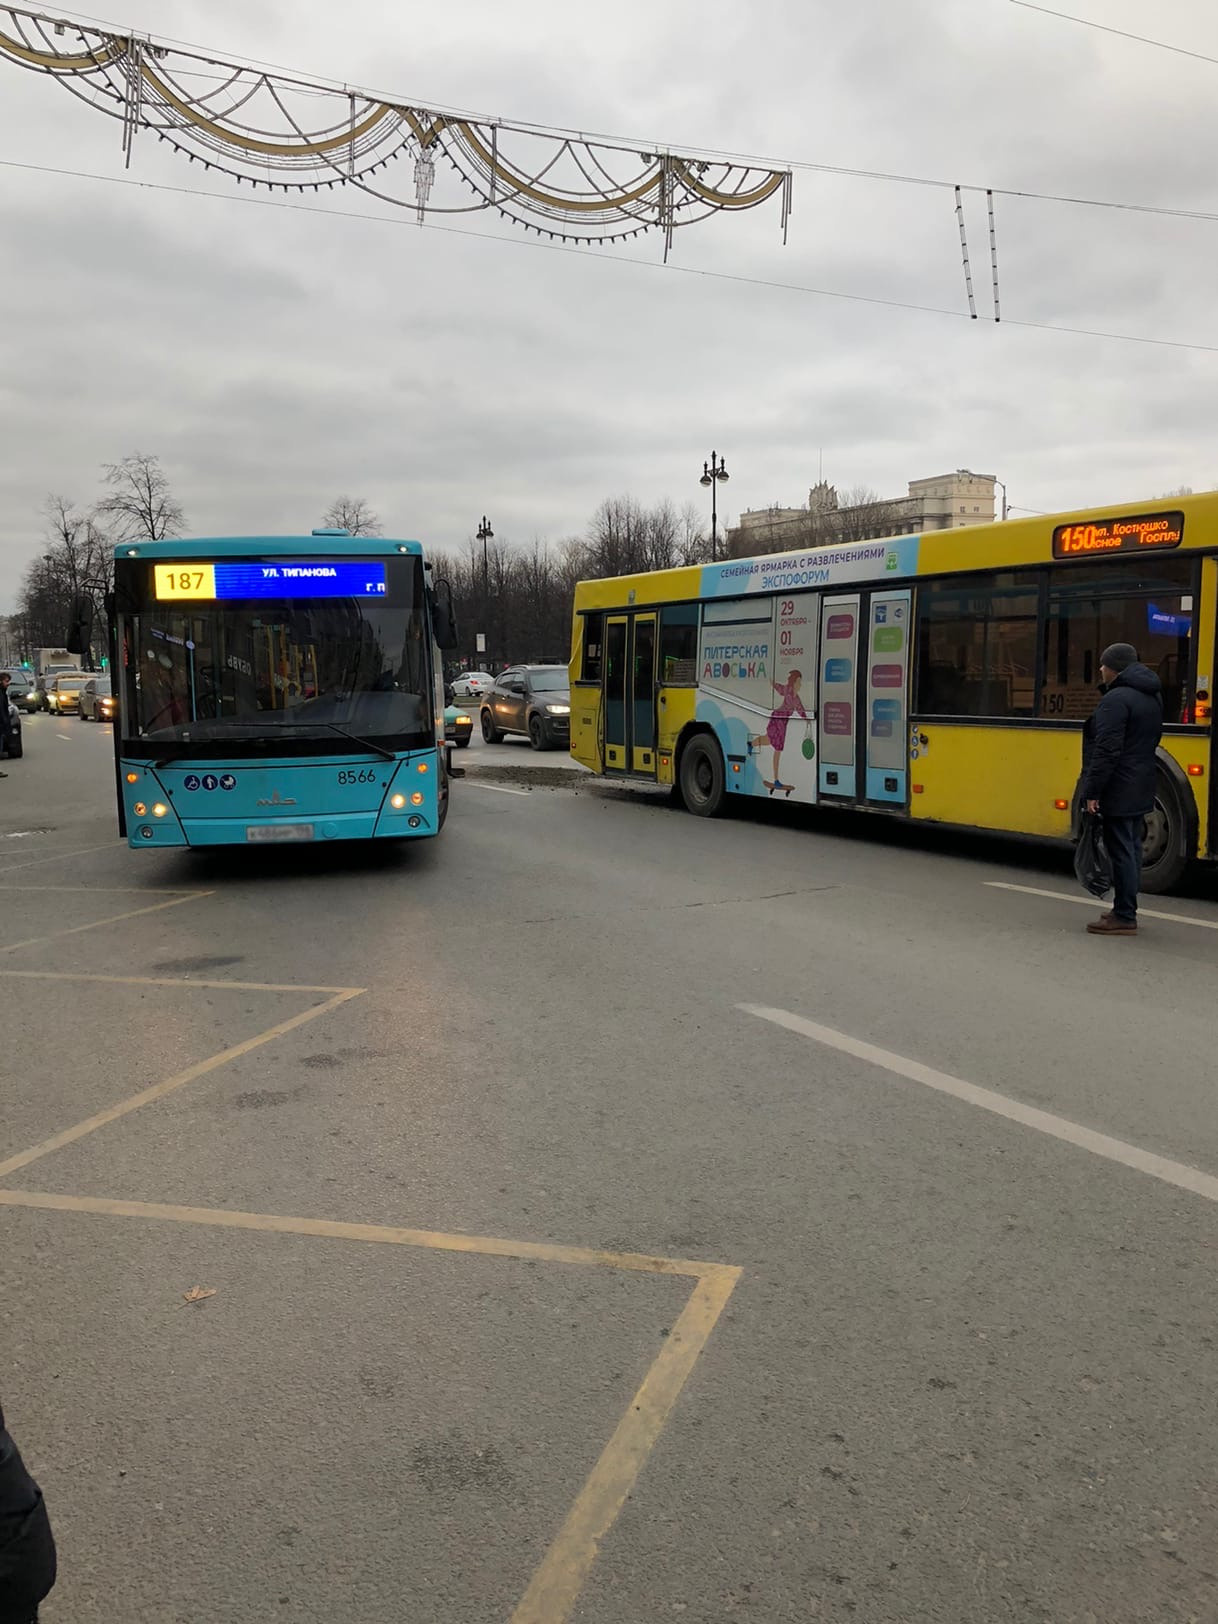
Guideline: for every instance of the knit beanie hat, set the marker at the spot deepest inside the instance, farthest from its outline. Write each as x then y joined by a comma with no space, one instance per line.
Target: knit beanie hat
1119,655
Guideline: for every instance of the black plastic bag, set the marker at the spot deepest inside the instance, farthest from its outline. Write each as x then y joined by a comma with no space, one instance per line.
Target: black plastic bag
1092,864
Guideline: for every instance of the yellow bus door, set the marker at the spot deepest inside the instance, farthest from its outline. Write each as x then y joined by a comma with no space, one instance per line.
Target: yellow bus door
616,755
643,695
630,694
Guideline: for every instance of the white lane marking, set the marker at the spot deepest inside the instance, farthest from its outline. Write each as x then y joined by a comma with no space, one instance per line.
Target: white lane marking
501,789
1092,902
67,736
1073,1133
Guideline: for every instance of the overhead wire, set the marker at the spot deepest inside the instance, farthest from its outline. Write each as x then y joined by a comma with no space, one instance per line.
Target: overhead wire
1121,33
603,258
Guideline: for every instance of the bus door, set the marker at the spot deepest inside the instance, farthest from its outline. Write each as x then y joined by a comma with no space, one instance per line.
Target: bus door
884,717
643,695
630,694
837,702
616,745
864,704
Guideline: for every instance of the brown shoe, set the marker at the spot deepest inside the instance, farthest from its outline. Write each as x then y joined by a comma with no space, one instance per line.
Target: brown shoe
1109,925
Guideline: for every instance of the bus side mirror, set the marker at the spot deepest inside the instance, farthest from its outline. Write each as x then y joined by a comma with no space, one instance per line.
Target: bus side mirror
444,618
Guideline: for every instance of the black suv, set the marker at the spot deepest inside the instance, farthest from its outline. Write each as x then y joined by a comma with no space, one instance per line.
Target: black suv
530,699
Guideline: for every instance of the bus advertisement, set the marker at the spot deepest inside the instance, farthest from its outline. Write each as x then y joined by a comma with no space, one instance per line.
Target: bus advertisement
279,689
943,677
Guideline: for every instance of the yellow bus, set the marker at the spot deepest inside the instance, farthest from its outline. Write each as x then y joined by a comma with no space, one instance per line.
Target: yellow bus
942,677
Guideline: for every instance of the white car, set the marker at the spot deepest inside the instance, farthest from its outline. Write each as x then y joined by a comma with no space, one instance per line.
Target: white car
473,684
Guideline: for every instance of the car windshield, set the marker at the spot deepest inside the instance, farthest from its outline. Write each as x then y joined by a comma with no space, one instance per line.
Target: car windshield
101,687
70,684
224,678
544,682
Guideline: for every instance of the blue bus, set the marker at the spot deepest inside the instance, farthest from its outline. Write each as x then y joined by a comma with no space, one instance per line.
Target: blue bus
279,688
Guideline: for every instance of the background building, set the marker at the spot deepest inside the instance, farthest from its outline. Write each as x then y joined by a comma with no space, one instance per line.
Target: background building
942,502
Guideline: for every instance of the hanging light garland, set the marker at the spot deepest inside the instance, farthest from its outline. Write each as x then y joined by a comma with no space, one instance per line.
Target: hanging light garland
268,128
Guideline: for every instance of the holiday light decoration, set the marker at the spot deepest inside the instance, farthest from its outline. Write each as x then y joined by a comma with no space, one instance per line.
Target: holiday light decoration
265,127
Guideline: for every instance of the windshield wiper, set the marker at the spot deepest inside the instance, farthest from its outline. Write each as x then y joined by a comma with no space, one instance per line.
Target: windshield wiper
366,744
266,736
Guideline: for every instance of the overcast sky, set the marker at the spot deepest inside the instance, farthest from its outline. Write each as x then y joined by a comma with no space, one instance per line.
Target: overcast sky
273,359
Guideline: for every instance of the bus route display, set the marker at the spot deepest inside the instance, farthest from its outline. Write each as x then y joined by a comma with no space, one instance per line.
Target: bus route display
1142,533
191,581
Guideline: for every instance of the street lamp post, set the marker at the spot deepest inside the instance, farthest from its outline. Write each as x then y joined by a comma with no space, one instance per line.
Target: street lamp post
485,534
972,475
712,473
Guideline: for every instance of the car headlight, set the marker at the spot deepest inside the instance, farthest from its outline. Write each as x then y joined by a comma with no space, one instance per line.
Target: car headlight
464,721
559,710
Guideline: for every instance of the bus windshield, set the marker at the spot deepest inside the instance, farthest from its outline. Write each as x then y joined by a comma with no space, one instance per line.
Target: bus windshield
317,674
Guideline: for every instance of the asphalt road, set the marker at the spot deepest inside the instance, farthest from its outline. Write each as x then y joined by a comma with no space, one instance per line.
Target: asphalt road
426,1124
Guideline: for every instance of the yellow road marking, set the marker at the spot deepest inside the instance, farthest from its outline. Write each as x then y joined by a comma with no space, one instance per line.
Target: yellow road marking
14,868
171,981
555,1587
433,1240
158,1091
110,919
100,890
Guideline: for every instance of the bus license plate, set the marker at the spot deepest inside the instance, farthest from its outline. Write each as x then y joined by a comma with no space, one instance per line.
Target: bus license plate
279,831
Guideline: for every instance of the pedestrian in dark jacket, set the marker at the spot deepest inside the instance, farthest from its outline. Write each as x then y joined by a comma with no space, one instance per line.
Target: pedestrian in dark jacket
27,1548
1119,745
6,721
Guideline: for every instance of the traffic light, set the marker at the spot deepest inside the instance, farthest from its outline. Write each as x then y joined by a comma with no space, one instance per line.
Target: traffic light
80,633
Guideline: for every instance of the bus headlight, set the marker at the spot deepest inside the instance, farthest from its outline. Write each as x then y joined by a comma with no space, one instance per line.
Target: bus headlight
397,802
160,810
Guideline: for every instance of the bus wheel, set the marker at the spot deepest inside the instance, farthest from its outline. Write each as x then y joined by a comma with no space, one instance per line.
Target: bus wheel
1165,854
702,776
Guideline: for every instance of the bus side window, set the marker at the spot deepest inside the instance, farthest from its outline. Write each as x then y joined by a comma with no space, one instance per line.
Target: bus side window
590,661
678,643
977,645
1146,602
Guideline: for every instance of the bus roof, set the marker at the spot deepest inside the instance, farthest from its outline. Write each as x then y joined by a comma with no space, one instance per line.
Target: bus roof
322,545
1005,544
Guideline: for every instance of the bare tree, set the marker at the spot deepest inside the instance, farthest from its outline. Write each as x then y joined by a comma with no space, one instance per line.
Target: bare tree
860,515
693,545
62,597
140,506
353,514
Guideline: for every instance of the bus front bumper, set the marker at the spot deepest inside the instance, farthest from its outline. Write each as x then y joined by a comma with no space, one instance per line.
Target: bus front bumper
164,832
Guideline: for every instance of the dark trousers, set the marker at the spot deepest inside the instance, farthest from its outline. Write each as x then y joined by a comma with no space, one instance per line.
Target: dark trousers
1123,838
